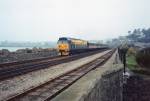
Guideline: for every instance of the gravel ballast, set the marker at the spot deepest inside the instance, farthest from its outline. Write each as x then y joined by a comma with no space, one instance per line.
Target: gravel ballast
17,84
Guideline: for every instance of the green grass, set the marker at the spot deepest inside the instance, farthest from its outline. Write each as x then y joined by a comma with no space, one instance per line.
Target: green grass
131,62
134,67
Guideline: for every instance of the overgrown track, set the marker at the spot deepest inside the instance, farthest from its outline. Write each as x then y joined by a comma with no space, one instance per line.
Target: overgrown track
4,65
52,88
19,68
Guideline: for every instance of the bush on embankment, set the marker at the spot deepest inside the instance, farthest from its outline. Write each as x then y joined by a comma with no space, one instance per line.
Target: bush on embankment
143,58
131,60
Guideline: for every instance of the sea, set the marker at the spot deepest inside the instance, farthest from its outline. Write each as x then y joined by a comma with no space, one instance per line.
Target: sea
12,49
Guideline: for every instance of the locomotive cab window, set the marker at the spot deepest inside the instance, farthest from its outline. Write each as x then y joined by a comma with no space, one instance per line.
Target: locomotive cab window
61,42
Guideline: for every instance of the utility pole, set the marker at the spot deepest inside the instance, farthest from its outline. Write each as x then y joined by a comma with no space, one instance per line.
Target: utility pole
122,53
124,58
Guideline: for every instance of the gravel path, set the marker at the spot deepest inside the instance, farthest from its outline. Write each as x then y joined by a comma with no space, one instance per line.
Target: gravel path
17,84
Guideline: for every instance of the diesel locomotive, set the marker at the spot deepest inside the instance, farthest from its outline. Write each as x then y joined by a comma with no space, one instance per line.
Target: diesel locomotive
68,46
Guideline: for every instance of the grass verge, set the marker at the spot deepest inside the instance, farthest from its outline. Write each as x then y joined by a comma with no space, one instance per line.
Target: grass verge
131,62
134,67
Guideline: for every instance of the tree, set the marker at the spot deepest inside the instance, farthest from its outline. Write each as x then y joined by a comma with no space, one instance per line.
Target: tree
146,34
135,35
139,35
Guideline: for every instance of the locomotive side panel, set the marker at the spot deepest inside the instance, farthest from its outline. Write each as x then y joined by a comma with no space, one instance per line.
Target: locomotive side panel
77,46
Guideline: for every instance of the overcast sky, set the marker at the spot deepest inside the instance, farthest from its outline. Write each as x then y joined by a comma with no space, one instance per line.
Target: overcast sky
47,20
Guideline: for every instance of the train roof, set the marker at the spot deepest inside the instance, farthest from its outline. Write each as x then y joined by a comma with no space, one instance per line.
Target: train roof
68,38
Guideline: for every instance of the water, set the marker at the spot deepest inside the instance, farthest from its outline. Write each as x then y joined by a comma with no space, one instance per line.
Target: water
12,49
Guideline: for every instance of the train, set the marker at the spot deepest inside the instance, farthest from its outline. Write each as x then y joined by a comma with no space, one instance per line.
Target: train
69,46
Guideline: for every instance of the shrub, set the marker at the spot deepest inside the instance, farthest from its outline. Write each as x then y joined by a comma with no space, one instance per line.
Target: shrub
143,57
131,51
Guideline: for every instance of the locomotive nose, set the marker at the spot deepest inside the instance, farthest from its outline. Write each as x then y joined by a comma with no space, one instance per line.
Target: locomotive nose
62,46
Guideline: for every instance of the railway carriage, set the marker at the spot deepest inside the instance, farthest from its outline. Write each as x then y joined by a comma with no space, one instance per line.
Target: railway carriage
68,46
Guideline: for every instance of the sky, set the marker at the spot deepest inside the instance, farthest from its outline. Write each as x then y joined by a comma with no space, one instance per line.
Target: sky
47,20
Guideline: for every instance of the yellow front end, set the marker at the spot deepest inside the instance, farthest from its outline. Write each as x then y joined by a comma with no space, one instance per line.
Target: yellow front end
63,49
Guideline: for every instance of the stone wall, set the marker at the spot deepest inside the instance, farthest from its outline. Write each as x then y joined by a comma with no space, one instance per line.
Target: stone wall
26,54
108,88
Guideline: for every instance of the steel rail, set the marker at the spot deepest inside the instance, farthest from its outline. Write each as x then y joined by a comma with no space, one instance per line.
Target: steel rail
52,88
16,70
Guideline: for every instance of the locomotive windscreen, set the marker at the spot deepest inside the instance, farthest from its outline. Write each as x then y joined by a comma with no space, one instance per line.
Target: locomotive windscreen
62,40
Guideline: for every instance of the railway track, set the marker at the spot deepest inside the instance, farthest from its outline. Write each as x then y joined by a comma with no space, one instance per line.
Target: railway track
19,68
9,64
52,88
